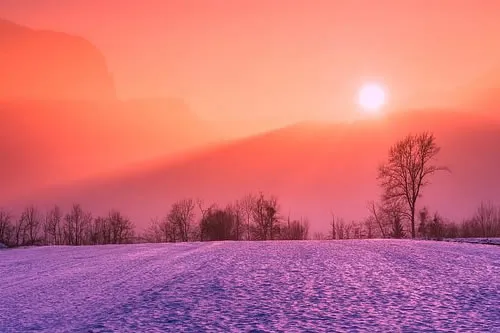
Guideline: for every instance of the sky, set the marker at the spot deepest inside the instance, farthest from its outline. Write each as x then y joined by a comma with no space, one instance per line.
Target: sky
279,61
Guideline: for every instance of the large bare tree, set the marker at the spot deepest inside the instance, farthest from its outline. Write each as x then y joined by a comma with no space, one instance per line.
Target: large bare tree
407,171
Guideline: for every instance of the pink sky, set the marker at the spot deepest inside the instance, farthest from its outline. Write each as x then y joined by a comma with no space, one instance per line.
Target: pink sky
279,61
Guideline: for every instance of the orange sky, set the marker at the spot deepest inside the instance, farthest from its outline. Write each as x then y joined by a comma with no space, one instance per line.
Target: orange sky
283,61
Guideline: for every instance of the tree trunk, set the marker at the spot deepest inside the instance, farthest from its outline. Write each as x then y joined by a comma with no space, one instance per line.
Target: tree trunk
413,221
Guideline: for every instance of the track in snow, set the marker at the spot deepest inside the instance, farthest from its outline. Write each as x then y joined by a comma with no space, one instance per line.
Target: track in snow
378,285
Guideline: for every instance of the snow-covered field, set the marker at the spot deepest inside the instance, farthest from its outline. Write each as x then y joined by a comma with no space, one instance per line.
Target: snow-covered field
490,241
336,286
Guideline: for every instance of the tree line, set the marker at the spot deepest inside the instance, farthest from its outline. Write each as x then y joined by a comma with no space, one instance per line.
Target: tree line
402,178
387,223
254,217
76,227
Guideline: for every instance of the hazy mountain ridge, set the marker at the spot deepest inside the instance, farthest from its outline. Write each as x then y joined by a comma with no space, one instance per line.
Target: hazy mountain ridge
56,136
51,142
312,169
49,65
60,119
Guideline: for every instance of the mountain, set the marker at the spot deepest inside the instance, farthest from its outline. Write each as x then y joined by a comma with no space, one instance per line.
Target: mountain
313,168
60,119
48,65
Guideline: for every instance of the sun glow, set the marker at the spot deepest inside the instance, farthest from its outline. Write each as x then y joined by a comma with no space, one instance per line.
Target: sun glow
371,98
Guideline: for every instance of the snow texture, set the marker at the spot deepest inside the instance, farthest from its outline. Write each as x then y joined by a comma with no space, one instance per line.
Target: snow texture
491,241
310,286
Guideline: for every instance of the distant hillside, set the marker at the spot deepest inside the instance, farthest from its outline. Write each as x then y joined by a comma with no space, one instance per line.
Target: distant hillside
45,143
313,168
47,65
60,120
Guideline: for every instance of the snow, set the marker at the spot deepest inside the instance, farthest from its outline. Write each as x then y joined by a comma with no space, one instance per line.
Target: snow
3,246
309,286
491,241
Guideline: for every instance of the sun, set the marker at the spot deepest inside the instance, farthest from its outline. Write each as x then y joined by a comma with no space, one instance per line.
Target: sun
371,97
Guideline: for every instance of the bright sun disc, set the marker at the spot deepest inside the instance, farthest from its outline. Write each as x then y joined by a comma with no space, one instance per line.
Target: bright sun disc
371,97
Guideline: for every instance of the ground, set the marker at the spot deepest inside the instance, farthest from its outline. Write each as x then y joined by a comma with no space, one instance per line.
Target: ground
310,286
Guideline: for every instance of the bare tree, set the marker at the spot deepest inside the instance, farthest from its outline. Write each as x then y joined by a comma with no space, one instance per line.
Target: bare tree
319,236
377,214
52,226
266,218
237,211
99,232
369,224
407,171
6,228
182,215
347,230
333,232
247,205
29,226
204,211
340,228
76,224
436,227
169,229
487,218
121,228
154,232
295,230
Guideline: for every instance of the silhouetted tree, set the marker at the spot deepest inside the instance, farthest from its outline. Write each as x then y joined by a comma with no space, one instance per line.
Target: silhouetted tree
154,232
237,211
357,230
266,218
52,227
407,171
28,232
99,232
6,228
76,225
451,230
333,232
218,225
247,206
121,228
487,218
340,228
369,224
436,228
378,214
204,211
181,216
319,236
295,230
423,225
397,227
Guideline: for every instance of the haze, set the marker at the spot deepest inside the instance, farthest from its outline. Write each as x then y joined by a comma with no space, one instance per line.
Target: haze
265,64
169,99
